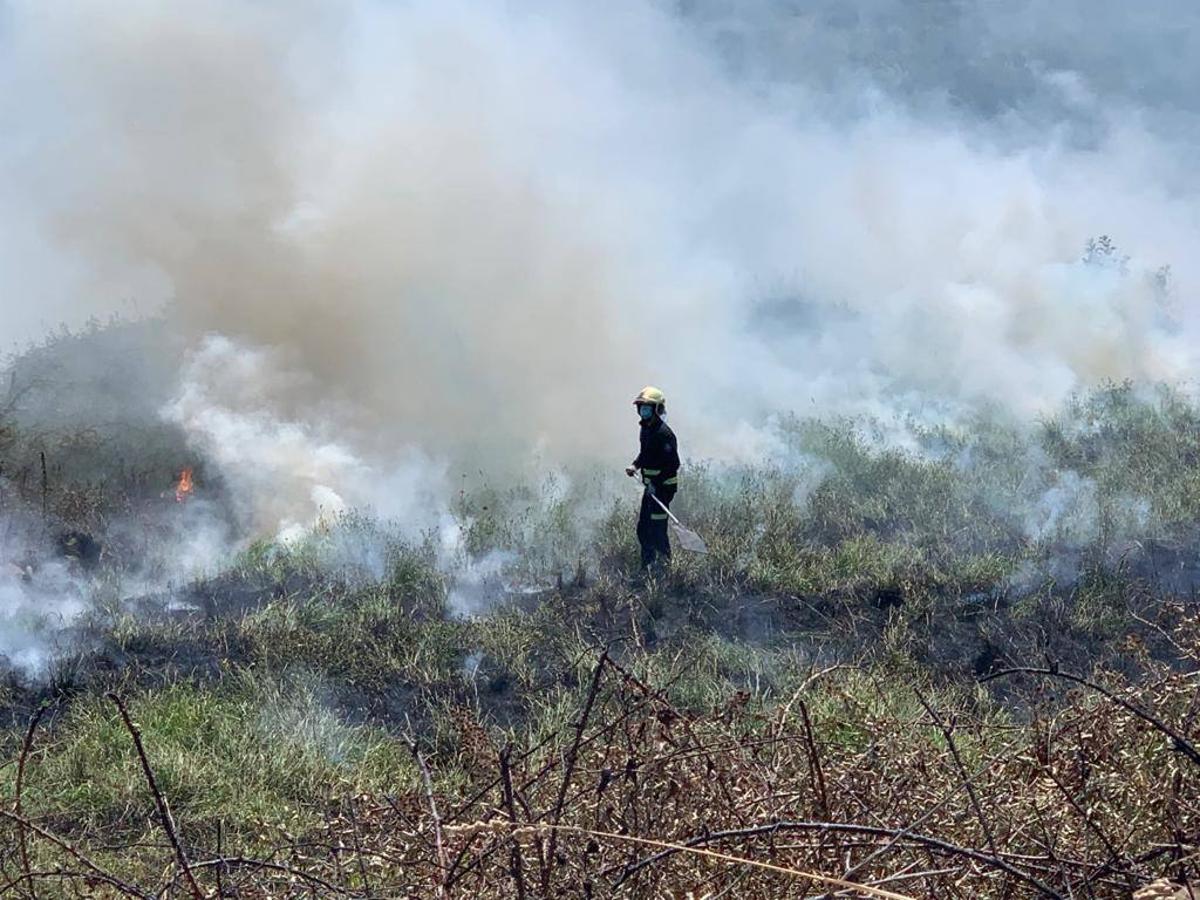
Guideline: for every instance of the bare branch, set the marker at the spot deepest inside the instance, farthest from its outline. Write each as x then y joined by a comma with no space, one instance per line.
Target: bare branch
73,851
834,827
23,843
1179,743
164,811
427,780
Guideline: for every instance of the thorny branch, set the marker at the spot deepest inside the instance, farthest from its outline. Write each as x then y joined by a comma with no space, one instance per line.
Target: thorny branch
807,798
948,734
23,843
1179,742
517,862
569,768
774,828
74,852
164,811
427,781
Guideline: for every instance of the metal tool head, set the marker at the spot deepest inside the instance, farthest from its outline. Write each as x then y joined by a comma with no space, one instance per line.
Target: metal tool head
688,539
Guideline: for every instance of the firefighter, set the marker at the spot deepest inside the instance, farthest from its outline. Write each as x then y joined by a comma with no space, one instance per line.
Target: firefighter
658,464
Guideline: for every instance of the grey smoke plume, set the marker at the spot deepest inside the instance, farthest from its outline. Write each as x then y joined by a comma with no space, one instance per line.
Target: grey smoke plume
464,230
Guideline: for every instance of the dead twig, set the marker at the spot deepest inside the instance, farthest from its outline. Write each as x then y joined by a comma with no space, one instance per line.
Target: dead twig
220,852
164,810
908,829
781,718
814,758
843,827
74,852
948,734
439,841
222,862
22,840
45,875
649,699
516,863
669,849
1179,743
569,770
1087,820
600,732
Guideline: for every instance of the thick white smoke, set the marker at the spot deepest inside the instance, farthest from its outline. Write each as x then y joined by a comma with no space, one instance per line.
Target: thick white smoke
465,230
285,475
34,608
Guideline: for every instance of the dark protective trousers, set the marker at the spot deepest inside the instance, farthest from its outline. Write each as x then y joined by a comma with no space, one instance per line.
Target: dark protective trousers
652,527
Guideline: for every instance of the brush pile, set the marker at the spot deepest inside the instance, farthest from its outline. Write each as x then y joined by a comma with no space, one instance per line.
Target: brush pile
853,786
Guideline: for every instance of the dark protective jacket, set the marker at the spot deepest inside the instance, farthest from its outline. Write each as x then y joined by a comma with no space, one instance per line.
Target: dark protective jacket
659,456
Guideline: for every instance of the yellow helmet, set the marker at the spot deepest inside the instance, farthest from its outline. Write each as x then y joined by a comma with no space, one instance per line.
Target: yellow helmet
653,396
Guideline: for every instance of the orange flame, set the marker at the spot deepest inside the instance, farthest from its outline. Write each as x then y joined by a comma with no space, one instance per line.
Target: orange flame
184,488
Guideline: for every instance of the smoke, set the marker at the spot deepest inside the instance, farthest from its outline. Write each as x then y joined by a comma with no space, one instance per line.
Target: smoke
400,238
477,582
35,605
286,475
1067,511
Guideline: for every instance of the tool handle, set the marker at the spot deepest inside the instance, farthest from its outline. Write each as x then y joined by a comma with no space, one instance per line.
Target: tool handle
667,511
663,505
